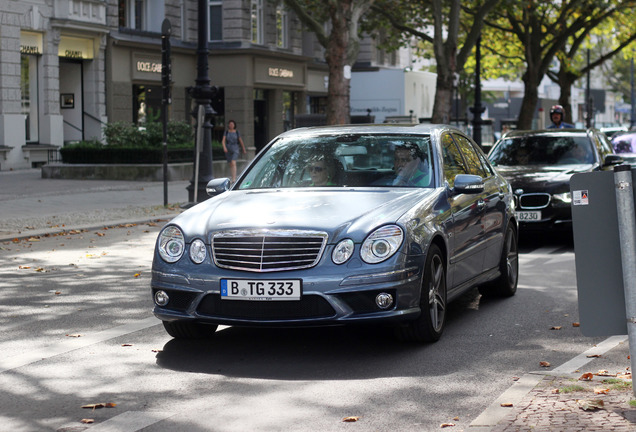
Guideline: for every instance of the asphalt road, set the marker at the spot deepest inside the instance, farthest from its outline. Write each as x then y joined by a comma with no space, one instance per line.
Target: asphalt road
77,329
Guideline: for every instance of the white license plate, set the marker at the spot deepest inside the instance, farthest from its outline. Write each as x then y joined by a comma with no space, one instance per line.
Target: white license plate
262,290
528,216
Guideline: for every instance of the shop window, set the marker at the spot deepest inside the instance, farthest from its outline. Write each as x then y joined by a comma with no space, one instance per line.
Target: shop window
215,18
281,26
257,21
146,15
29,95
146,104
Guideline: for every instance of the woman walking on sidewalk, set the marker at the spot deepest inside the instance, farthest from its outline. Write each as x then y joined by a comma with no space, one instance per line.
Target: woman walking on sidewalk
231,141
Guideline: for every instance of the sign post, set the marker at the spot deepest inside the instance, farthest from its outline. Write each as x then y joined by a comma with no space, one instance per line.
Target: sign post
166,100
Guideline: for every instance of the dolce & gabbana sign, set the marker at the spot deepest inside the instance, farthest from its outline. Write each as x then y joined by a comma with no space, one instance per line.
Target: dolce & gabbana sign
146,67
268,71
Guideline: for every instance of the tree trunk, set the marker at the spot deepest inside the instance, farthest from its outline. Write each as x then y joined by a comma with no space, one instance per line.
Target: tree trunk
339,89
443,103
566,80
529,102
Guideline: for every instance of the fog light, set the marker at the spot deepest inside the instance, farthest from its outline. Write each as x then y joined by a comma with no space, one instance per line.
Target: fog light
384,300
161,298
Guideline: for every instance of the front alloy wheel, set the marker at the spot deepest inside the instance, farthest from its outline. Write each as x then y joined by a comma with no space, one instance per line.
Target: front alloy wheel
428,327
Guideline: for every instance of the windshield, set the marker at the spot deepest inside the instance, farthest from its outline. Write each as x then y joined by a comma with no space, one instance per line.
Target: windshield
542,150
306,161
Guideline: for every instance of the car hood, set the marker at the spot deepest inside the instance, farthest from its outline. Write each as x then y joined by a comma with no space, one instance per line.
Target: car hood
333,211
541,178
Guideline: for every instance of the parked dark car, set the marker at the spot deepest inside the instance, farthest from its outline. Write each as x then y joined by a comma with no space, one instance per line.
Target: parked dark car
539,163
341,225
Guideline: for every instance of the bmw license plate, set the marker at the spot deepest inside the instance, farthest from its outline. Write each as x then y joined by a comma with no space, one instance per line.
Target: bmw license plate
245,289
528,216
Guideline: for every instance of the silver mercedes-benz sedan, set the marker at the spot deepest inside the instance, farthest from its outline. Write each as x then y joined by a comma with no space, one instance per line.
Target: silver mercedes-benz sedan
340,225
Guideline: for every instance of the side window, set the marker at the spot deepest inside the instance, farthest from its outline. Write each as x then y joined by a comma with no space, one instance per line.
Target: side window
471,156
453,161
605,146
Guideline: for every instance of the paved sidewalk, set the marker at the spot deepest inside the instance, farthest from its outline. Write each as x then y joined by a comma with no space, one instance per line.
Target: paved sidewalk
557,399
32,206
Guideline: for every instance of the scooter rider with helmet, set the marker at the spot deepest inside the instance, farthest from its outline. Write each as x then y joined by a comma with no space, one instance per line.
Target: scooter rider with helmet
556,115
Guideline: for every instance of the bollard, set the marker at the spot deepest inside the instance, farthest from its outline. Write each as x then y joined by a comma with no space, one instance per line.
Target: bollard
627,234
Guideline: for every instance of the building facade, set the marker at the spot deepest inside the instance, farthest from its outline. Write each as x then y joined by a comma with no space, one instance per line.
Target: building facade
52,80
68,67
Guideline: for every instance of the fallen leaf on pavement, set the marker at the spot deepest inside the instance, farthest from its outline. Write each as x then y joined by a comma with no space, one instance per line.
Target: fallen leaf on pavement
575,324
506,404
125,345
24,267
74,335
591,405
594,356
137,275
555,328
350,419
605,373
100,405
544,364
87,421
445,425
556,391
100,234
601,391
586,377
34,239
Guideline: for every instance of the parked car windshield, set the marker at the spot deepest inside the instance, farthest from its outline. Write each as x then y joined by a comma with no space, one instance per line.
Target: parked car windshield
542,150
343,160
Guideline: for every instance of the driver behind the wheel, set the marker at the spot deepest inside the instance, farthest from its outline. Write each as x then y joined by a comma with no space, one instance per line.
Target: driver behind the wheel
411,167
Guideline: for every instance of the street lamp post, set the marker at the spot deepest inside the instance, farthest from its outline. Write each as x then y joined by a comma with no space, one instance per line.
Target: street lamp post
632,119
588,96
202,93
478,109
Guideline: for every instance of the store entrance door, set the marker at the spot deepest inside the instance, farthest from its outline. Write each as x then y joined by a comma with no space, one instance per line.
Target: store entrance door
72,100
260,124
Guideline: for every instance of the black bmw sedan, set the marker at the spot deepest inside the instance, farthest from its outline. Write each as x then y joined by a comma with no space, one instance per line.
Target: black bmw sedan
539,163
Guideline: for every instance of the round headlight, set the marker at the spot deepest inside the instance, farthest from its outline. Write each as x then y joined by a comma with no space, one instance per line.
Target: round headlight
343,251
171,244
381,244
197,251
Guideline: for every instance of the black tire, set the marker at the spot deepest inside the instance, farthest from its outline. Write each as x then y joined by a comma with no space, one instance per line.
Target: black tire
429,326
506,284
188,329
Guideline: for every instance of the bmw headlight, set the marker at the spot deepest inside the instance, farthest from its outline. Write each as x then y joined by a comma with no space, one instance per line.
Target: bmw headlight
343,251
171,244
381,244
198,251
565,198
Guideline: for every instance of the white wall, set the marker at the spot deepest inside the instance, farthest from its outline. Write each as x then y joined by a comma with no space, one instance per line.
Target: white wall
392,92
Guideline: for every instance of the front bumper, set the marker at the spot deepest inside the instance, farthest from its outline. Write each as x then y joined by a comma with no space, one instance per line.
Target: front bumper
326,300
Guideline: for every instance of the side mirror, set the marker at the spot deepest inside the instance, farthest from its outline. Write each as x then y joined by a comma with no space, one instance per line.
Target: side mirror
468,184
612,159
217,186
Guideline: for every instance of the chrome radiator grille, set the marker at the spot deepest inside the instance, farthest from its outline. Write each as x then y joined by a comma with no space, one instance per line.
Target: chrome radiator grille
268,250
533,201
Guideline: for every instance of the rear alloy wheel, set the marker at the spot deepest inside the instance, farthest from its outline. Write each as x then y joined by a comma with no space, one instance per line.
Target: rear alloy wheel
428,327
188,329
506,284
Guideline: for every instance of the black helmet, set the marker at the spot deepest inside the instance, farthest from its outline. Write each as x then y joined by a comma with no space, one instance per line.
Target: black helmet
556,109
